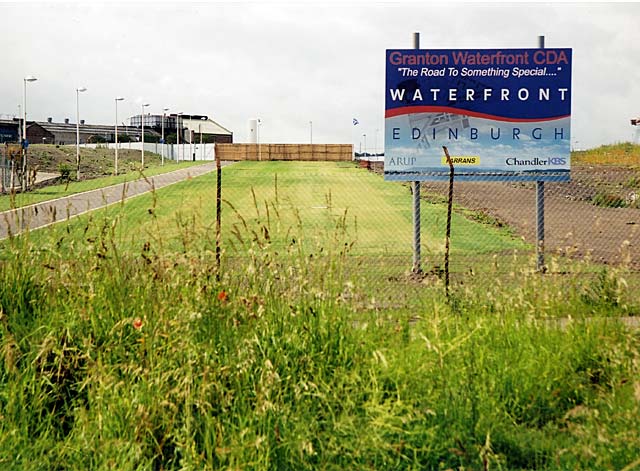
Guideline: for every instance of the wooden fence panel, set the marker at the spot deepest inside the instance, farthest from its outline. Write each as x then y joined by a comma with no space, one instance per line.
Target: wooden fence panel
287,152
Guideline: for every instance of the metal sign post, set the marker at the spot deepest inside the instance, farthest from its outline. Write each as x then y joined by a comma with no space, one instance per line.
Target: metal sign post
540,209
416,200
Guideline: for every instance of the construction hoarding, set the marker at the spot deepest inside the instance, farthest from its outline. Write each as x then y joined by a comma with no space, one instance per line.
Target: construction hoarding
304,152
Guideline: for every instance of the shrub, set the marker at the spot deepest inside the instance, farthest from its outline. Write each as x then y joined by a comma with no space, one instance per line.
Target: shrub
65,171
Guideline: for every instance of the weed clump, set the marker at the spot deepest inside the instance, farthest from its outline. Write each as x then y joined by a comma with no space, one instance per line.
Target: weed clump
607,200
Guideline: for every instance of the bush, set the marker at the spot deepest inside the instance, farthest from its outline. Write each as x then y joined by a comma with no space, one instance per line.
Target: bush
65,171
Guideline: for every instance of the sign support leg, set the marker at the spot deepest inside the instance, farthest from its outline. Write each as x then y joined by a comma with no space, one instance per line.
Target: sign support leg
416,228
540,209
416,201
540,226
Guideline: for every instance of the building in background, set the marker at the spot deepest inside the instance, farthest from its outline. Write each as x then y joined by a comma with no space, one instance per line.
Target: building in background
9,130
192,127
48,132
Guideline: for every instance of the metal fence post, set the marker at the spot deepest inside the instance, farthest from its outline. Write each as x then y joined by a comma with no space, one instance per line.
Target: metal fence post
218,212
540,209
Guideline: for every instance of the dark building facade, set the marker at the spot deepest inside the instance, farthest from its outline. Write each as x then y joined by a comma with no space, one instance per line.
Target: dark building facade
65,133
36,134
9,130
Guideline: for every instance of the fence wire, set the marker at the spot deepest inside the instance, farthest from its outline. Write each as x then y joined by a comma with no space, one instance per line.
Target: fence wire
591,225
346,211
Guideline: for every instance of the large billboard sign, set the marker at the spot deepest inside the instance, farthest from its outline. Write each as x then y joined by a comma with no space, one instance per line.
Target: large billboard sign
502,113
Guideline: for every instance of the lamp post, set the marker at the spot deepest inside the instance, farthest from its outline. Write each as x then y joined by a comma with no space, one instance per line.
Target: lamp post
365,144
311,132
28,78
178,137
115,163
258,138
144,105
192,145
78,90
201,148
164,110
19,121
191,150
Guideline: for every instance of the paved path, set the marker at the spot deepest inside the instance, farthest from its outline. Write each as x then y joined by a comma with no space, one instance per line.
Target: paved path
14,221
44,176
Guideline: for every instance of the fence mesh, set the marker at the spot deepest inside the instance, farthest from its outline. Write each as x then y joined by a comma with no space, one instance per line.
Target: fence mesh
591,225
345,211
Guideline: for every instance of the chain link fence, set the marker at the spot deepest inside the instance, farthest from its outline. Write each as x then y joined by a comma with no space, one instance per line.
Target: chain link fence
591,223
344,208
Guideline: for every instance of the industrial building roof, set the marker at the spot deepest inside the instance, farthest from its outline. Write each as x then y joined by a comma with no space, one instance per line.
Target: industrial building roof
208,126
99,129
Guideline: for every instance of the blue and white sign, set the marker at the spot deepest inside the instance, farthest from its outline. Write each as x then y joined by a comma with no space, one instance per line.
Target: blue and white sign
502,113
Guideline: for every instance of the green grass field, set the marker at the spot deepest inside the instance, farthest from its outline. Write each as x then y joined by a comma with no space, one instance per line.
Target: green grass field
319,197
313,208
123,347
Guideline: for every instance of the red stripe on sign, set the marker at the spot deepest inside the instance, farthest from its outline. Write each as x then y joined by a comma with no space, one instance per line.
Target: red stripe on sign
447,109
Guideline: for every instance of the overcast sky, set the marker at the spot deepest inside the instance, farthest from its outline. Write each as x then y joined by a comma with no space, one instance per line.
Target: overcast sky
290,63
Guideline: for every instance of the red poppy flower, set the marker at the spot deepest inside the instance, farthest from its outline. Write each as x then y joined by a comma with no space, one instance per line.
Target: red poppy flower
222,296
137,323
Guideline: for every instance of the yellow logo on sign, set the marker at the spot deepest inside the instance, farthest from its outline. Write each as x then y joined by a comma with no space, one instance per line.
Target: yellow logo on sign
462,160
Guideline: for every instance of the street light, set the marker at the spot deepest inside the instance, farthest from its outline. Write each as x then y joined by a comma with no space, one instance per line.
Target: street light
200,128
28,78
191,147
20,121
311,132
178,137
115,165
164,110
258,138
144,105
78,90
365,144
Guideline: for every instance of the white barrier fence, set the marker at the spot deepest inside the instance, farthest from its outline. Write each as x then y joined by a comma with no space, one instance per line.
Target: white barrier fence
180,152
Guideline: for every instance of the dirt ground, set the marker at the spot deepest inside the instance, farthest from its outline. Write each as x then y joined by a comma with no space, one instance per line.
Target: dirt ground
94,162
578,221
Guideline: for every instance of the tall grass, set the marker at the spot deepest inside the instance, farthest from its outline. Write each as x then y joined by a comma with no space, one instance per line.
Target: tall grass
141,359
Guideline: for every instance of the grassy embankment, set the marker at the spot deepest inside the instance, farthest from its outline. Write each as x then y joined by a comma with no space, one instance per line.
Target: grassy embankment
625,153
125,352
129,170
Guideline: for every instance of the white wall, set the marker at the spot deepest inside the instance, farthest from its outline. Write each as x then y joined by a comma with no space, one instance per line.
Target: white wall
172,151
